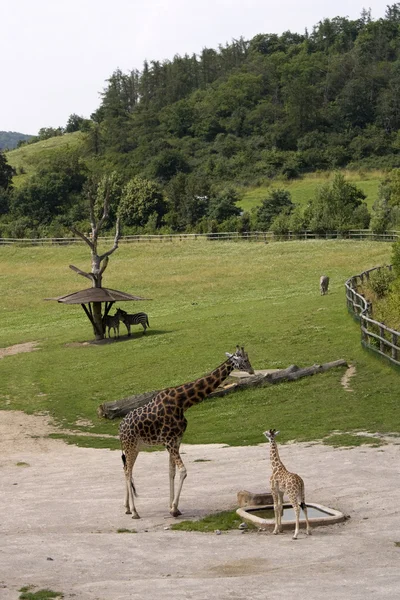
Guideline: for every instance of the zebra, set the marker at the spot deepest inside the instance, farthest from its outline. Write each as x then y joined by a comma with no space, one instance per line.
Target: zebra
111,321
324,284
136,319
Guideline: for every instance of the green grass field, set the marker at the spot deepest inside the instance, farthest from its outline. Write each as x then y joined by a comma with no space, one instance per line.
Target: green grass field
206,298
302,190
30,156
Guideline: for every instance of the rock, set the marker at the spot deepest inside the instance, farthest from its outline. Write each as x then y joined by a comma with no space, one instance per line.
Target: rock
246,498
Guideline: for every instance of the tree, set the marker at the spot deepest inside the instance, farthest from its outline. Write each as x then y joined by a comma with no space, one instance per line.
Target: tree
168,163
337,206
393,12
74,123
222,205
381,214
188,200
7,172
277,201
93,190
48,132
140,199
4,201
54,190
386,208
281,223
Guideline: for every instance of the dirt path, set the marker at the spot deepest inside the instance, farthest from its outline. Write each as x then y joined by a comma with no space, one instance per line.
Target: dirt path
18,348
61,508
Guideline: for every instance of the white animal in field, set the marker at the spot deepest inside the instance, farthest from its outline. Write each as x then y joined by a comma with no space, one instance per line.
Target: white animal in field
324,284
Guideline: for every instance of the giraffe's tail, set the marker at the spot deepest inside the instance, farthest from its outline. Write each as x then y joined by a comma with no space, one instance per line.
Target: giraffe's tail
303,497
132,484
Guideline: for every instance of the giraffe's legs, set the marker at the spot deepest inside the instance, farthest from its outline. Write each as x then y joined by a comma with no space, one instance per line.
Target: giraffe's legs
306,516
280,509
277,512
176,459
172,471
296,508
130,458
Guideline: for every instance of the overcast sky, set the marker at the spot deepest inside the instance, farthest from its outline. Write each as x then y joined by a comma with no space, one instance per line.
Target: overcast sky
55,55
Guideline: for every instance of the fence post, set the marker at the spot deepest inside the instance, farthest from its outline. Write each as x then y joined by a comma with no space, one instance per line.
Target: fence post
394,342
348,298
381,340
364,327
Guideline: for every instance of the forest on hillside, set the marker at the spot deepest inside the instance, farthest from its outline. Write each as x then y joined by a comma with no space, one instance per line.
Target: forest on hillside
11,139
173,143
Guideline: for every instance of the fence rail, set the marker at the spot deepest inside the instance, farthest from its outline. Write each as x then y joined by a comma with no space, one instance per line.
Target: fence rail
252,236
374,335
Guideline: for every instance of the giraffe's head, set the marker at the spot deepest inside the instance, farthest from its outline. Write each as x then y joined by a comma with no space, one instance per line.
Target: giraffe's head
240,360
271,434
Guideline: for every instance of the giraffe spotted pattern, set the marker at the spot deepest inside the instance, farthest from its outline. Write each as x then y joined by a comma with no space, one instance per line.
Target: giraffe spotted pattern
282,481
162,422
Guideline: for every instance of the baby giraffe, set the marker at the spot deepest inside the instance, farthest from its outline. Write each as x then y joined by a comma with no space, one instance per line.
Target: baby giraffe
282,481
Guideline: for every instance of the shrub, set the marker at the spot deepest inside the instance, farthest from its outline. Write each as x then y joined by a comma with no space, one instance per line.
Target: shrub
396,258
380,281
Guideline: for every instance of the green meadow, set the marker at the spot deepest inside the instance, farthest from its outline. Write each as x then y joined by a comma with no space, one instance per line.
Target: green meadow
206,297
27,159
303,189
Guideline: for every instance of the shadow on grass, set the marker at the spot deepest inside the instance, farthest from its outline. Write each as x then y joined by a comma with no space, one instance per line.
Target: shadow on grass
122,338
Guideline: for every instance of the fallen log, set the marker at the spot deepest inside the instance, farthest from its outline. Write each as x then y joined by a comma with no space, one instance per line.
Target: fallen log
120,408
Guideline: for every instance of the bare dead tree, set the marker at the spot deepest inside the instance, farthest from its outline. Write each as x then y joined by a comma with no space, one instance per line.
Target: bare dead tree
99,261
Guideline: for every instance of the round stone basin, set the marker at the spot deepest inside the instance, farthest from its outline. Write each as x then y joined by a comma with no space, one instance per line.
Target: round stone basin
263,516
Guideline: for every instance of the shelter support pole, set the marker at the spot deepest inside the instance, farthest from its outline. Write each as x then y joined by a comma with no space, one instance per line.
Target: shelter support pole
107,308
89,315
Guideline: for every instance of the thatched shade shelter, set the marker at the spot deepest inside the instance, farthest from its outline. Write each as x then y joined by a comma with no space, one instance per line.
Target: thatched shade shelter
86,297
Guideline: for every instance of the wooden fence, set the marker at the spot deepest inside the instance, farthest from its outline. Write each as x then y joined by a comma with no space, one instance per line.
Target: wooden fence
374,335
252,236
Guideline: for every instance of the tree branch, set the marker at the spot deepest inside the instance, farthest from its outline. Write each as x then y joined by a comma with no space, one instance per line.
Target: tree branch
115,246
83,236
92,215
83,273
104,267
104,216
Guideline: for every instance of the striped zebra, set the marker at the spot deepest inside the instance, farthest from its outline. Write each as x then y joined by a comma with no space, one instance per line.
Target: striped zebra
111,321
136,319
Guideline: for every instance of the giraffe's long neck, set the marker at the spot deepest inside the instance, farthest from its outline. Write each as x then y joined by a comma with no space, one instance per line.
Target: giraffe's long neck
196,391
276,462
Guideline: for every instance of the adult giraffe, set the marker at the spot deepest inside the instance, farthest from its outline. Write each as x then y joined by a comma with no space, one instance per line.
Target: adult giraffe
162,422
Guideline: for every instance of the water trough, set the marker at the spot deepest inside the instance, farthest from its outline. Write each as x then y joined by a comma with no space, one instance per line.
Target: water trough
263,516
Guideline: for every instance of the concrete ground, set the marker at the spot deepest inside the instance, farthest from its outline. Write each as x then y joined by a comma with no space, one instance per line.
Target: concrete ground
61,508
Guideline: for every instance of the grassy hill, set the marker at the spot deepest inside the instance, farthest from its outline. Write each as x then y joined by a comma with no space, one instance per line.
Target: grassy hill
27,159
304,189
207,297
